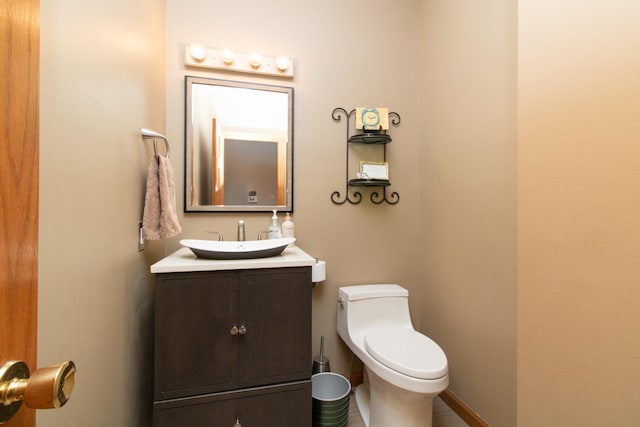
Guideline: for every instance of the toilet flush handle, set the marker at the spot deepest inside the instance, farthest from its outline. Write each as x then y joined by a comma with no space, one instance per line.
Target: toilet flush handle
341,301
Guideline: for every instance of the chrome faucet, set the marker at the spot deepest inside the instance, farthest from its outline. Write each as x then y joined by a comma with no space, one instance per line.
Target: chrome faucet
241,231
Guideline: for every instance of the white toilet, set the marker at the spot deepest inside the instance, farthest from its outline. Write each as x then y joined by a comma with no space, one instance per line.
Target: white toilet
404,370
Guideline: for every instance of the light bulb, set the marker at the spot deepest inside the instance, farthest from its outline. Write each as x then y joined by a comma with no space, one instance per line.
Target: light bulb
282,62
198,52
227,56
255,60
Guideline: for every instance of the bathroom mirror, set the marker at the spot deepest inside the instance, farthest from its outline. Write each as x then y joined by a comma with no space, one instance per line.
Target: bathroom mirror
239,146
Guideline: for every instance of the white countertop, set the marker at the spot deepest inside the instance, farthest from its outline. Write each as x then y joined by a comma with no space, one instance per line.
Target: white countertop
183,260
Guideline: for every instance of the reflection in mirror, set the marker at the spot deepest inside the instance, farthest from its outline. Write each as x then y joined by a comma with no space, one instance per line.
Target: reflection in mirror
239,146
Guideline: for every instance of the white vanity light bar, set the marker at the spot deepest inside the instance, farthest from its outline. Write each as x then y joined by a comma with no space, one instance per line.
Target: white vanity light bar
196,55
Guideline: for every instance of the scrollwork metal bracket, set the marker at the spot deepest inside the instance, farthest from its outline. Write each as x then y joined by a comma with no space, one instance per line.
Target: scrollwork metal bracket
355,197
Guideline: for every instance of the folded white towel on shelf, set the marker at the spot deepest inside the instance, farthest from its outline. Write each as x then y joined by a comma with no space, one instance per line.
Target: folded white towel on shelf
160,219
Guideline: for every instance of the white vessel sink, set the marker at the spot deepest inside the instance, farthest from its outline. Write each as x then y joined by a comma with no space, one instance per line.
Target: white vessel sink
215,249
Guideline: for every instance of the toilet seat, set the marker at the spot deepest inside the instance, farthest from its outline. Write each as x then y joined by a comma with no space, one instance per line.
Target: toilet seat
406,351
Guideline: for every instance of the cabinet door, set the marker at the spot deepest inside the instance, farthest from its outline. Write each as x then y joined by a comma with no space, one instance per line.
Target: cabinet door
195,351
275,309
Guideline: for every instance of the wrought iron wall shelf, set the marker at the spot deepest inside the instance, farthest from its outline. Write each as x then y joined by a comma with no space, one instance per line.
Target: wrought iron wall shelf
361,136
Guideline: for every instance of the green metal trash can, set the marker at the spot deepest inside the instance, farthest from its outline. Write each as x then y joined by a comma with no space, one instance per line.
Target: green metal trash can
330,393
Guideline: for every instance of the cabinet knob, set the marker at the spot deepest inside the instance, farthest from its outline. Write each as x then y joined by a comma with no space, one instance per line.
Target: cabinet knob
237,424
235,330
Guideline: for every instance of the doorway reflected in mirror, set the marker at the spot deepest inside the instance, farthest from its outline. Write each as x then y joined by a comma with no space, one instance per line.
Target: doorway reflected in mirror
239,146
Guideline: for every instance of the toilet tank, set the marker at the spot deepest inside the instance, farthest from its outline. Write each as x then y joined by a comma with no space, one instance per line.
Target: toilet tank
365,306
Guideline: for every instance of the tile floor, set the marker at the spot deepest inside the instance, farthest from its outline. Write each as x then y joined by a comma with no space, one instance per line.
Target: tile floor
443,416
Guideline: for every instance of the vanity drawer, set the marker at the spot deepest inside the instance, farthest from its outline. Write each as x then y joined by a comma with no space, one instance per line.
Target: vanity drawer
283,405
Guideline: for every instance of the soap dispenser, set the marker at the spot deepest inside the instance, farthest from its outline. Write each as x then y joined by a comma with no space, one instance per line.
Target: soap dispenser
288,228
274,231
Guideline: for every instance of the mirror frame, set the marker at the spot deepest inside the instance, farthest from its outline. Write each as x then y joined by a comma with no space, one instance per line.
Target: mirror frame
288,190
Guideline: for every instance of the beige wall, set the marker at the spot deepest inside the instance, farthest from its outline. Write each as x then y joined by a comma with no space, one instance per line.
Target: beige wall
449,69
341,60
102,79
468,197
579,210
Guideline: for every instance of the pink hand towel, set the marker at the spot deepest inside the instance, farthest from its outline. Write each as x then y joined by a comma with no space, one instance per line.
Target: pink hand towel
160,220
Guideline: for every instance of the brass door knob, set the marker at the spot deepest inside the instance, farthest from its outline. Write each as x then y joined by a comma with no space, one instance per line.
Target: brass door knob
47,388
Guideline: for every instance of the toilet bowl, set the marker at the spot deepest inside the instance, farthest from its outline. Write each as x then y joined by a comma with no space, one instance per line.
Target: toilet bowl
404,369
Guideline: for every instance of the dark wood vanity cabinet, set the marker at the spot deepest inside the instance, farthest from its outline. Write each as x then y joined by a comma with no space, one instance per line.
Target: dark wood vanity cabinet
233,344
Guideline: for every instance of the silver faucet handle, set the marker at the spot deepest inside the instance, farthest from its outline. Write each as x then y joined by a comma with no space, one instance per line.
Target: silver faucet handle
261,233
241,237
220,236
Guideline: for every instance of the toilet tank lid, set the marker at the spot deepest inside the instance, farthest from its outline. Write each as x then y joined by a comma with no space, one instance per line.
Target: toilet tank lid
358,292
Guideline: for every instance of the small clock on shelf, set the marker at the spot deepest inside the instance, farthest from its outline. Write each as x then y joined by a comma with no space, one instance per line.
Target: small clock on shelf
375,119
